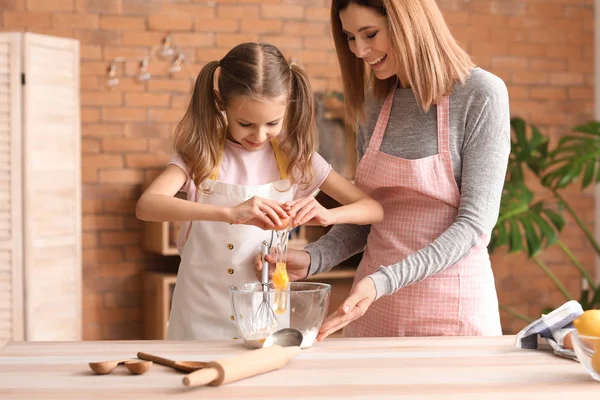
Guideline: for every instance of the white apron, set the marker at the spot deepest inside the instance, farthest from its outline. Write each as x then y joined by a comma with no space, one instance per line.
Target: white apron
217,255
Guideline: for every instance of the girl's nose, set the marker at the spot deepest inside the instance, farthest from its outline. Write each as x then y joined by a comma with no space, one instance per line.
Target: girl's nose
261,135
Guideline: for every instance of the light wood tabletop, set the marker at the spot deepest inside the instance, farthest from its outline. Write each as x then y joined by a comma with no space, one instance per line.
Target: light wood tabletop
482,368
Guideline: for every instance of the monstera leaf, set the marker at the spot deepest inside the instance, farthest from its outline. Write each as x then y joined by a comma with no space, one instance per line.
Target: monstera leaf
528,148
524,224
590,298
575,156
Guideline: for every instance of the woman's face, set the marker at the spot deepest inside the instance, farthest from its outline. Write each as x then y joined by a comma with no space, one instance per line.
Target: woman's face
368,38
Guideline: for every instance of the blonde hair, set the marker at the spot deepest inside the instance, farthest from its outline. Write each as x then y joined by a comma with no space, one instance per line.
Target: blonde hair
259,71
431,59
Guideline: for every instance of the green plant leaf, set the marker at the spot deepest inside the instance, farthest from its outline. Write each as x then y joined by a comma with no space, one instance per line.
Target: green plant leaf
498,238
533,241
539,142
529,149
592,127
575,157
595,303
522,223
557,220
584,299
547,233
515,239
588,174
534,244
518,125
570,175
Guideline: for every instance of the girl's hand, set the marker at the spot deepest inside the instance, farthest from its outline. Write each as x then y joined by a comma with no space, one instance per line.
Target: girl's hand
264,213
360,299
308,211
297,264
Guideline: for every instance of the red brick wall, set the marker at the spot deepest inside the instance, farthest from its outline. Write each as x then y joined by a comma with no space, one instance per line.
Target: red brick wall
543,49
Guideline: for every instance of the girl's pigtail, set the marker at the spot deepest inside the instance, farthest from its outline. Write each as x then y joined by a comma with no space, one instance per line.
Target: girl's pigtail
302,137
199,134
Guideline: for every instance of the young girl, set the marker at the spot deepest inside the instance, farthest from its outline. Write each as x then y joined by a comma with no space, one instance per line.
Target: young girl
245,147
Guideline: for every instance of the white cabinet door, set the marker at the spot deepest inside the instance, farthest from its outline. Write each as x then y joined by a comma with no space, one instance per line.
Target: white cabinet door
11,228
40,188
51,188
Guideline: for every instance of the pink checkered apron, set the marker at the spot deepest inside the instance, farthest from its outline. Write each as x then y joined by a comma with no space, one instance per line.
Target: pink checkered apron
420,199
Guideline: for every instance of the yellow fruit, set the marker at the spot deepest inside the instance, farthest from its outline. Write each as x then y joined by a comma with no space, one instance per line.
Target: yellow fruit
280,277
588,323
596,361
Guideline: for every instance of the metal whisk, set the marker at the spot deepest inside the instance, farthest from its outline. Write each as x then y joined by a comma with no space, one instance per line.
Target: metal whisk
264,319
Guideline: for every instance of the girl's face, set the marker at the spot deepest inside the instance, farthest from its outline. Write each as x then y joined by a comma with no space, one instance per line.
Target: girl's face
368,37
252,122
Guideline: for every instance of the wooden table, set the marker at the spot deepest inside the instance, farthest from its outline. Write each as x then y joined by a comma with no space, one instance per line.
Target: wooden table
417,368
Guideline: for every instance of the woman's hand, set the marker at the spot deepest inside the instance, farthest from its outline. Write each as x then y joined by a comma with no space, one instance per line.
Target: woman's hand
308,211
264,213
297,264
360,299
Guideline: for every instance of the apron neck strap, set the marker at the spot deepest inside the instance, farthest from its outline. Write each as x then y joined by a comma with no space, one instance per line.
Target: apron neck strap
282,161
443,125
382,120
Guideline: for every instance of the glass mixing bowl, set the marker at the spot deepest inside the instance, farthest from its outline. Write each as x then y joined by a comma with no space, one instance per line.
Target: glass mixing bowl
587,349
304,307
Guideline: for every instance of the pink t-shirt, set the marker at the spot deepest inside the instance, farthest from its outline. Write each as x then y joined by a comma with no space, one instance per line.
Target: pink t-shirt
242,167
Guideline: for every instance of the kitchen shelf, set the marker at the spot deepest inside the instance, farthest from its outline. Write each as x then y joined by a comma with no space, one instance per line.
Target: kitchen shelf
334,274
161,237
158,292
157,238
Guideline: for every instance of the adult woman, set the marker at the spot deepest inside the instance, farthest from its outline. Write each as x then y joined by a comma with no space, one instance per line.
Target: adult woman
433,151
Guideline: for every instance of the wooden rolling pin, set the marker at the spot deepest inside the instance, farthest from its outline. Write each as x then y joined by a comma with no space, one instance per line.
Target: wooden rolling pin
235,368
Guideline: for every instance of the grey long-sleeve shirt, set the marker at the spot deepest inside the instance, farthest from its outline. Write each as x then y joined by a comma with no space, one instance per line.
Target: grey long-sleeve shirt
479,145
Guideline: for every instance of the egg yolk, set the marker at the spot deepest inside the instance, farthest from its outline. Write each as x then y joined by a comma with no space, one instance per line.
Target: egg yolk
280,277
281,281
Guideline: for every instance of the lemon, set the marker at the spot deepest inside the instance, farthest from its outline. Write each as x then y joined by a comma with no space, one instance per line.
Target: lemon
588,323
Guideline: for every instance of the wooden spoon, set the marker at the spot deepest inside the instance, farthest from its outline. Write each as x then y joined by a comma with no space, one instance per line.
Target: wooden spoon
185,366
137,367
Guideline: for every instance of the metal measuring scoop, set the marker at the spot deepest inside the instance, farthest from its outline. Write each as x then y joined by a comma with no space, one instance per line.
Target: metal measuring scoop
285,337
